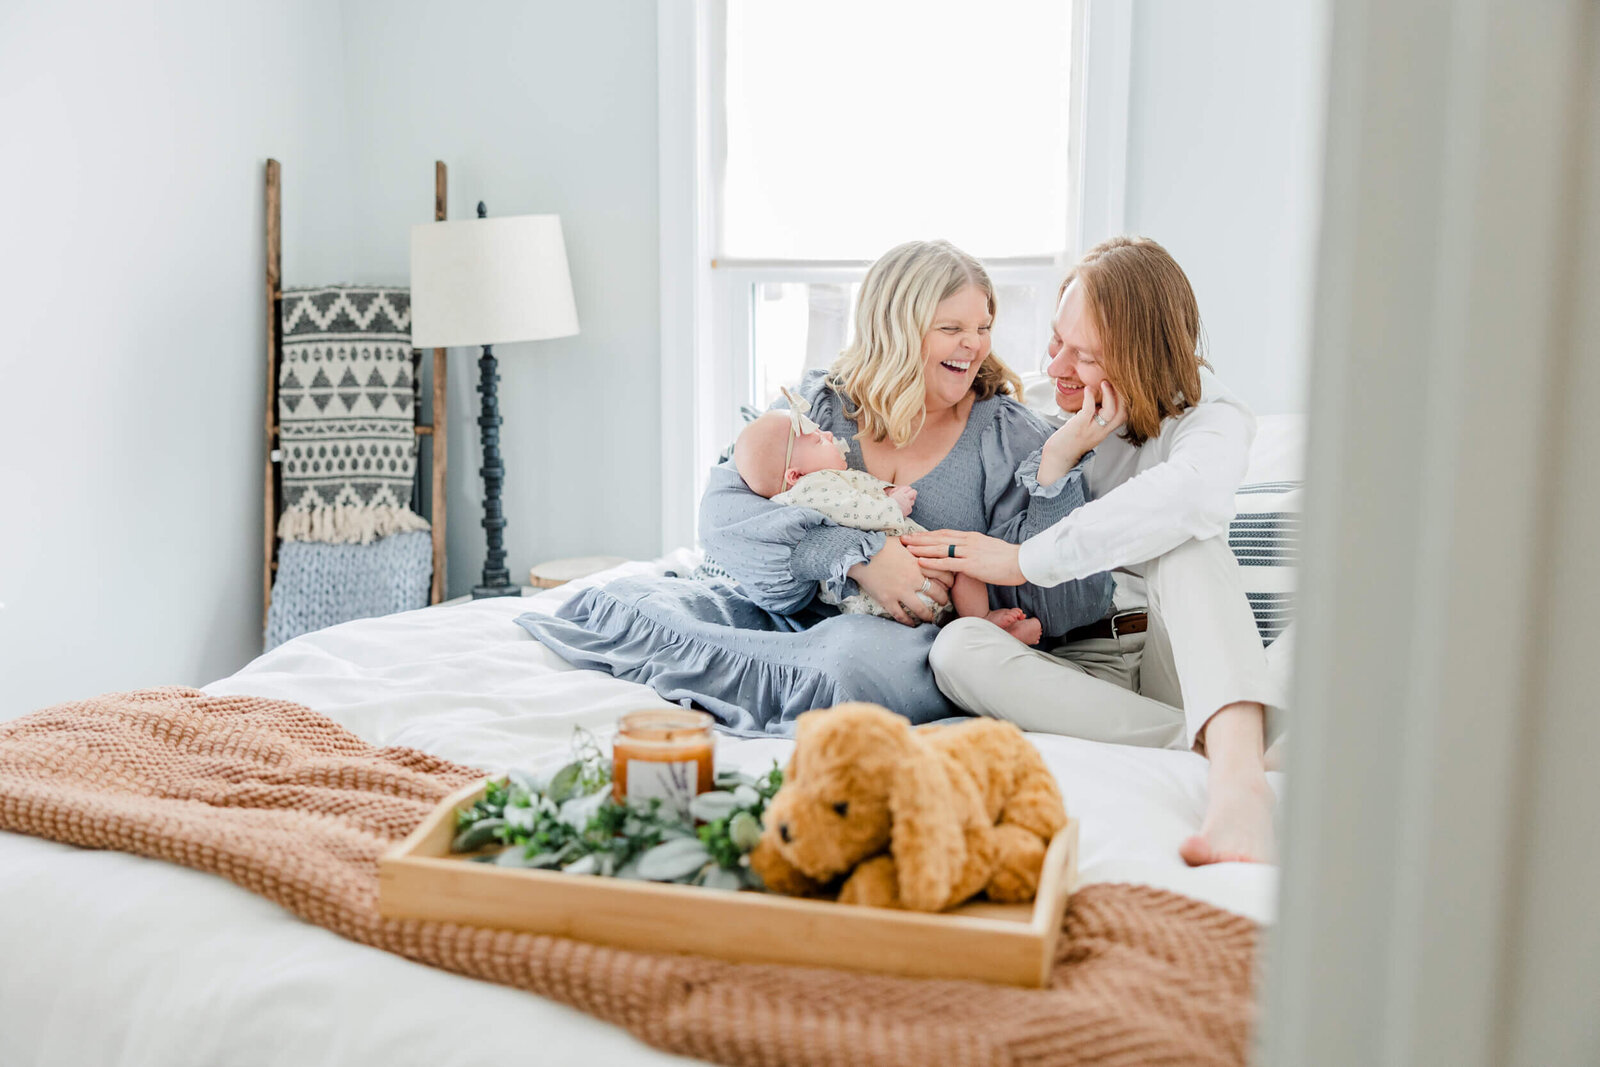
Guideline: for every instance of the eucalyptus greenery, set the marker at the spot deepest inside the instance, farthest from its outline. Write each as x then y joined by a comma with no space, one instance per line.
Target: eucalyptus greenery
570,822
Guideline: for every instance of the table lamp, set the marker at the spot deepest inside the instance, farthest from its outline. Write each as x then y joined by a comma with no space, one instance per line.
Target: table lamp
486,282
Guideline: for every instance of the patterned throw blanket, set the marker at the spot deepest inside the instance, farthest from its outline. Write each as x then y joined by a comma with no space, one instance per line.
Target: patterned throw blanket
345,396
283,802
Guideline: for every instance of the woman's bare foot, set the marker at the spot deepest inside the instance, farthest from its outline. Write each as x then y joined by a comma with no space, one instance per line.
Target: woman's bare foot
1018,624
1238,823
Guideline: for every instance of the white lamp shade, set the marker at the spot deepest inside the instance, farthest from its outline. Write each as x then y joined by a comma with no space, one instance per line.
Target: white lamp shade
490,281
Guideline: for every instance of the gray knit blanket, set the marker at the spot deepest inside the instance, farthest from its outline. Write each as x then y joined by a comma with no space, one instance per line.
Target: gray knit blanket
346,414
321,585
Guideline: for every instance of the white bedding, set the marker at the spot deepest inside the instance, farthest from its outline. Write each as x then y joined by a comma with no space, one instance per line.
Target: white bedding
108,958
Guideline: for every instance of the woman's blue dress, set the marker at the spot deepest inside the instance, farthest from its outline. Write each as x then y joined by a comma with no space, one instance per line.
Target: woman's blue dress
758,653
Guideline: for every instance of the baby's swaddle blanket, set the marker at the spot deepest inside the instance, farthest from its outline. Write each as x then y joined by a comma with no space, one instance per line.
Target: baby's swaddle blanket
855,499
345,414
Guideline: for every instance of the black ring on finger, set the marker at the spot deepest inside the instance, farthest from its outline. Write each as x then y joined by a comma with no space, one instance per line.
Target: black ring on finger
950,551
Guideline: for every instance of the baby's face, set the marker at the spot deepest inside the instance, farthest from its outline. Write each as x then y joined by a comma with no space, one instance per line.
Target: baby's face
818,451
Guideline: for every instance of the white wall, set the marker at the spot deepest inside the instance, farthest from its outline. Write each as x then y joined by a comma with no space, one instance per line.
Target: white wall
1224,135
535,107
133,304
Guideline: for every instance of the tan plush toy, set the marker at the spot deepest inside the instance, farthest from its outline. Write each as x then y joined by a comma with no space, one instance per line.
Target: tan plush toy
920,819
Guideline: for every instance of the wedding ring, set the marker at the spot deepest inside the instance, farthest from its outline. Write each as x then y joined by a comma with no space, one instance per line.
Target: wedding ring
1100,421
950,551
927,584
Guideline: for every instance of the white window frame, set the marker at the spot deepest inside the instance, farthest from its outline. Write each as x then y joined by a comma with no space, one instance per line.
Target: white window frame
706,338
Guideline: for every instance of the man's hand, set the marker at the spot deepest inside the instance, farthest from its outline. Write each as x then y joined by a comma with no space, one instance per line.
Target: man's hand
1082,432
894,579
986,558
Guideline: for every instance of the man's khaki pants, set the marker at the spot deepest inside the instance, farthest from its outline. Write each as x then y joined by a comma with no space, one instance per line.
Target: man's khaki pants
1200,652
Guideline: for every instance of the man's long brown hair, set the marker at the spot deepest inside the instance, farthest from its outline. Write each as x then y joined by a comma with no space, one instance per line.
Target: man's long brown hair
1144,309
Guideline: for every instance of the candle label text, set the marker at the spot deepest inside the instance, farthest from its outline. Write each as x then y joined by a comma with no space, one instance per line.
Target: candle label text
672,783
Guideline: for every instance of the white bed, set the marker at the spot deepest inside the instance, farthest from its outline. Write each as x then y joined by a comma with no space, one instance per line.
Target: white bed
107,958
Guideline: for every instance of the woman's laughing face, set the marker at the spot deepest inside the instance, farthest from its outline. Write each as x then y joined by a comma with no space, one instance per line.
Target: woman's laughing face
956,345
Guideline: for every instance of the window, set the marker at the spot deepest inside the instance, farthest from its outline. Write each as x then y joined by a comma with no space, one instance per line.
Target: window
825,134
850,127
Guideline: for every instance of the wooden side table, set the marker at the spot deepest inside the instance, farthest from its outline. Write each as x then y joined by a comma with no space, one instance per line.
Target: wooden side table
556,572
527,590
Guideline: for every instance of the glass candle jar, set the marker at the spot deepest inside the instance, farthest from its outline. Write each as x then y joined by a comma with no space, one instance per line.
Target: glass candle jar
663,753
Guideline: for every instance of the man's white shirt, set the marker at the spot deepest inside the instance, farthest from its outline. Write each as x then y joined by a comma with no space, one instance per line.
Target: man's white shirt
1179,485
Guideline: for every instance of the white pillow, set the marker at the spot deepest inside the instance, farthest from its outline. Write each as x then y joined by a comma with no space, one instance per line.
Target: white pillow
1279,450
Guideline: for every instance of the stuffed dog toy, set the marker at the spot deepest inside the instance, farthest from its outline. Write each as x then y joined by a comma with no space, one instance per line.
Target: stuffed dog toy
909,818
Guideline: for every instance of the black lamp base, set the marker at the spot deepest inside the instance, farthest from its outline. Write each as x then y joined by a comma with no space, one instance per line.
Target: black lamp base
496,578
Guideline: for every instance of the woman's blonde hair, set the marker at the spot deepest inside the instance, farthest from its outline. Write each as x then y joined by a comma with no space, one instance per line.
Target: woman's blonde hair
880,371
1145,312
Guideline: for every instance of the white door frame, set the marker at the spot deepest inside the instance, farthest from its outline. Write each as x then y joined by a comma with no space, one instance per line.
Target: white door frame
1102,79
1446,321
683,67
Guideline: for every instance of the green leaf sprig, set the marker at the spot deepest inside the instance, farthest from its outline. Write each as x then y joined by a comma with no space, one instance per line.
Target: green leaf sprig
570,823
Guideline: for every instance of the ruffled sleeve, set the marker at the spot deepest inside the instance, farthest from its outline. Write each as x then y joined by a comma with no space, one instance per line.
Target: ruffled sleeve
1017,505
779,553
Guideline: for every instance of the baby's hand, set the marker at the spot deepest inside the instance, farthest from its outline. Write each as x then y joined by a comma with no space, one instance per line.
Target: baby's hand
903,495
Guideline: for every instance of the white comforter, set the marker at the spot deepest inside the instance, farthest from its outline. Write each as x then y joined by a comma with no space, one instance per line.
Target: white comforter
107,958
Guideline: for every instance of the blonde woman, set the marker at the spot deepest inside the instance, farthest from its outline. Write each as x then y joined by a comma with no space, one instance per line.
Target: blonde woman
921,401
1180,661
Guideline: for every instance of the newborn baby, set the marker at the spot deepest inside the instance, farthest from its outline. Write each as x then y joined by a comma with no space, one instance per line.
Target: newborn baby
789,459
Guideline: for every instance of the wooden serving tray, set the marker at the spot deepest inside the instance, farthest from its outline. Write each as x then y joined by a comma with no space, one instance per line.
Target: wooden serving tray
1013,944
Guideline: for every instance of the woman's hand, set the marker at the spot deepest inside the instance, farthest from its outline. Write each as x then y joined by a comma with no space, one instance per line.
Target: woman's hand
1084,431
942,579
986,558
894,579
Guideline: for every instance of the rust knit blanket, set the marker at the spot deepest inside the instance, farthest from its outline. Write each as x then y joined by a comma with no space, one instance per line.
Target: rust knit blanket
286,803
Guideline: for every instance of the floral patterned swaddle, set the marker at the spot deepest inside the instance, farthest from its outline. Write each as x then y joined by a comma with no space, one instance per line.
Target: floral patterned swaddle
855,499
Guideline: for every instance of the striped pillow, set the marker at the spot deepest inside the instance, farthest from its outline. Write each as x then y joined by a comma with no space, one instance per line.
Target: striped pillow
1265,538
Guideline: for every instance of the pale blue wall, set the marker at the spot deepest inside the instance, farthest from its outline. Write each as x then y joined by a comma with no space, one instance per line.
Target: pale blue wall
535,108
130,494
1224,136
134,309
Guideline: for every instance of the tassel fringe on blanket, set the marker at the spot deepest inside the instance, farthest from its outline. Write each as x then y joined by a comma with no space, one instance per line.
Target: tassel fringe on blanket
343,524
286,803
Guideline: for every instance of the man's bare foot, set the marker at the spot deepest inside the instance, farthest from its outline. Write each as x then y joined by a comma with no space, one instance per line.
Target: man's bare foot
1238,824
1018,624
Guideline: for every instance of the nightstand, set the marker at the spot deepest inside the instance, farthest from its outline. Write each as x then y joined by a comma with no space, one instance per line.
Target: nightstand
556,572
